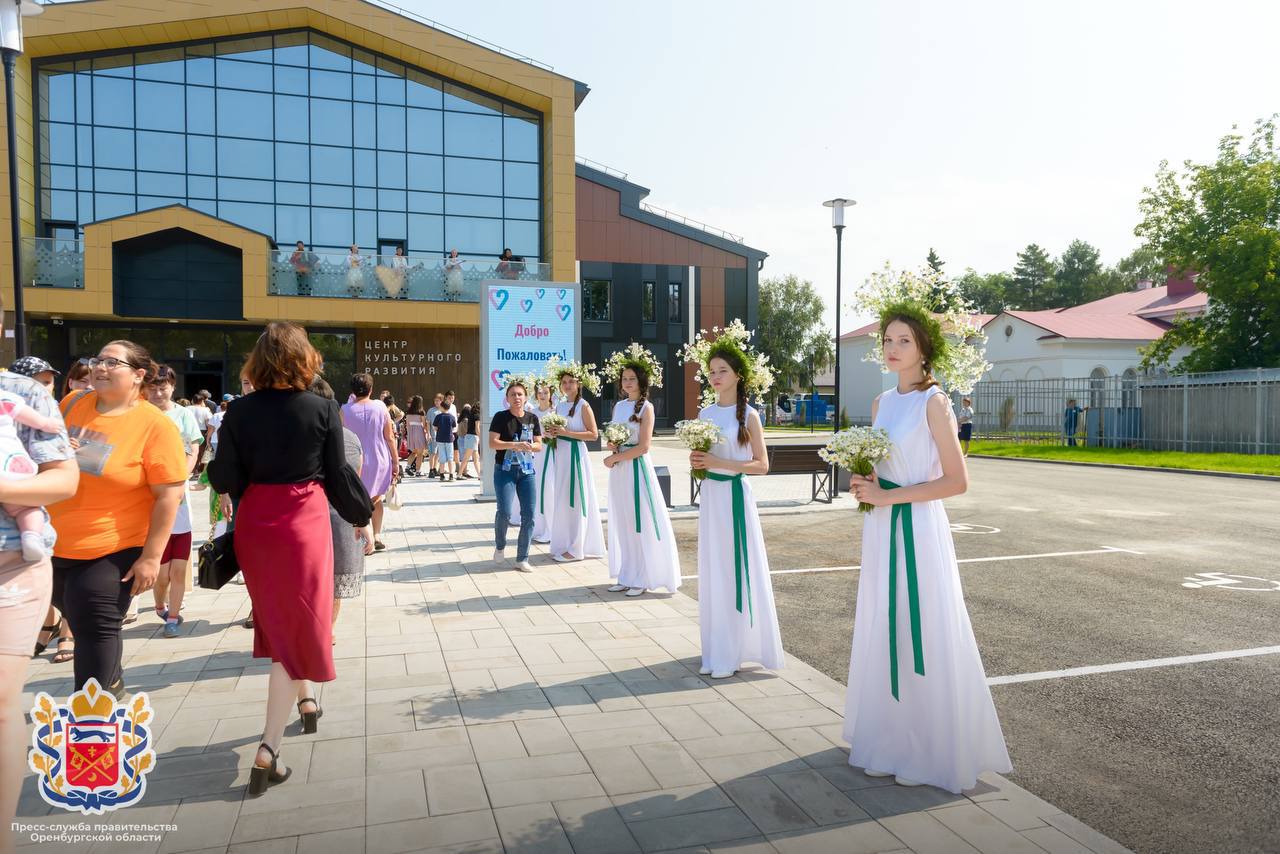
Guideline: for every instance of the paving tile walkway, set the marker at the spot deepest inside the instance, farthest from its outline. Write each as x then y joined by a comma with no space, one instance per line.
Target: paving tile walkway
479,709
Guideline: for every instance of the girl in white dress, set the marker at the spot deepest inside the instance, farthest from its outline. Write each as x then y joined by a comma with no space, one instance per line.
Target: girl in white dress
542,478
735,597
576,532
918,707
355,271
642,546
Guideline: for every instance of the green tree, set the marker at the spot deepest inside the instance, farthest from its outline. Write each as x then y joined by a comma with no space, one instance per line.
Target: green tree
986,293
1222,219
1142,263
791,333
940,294
1078,271
1032,284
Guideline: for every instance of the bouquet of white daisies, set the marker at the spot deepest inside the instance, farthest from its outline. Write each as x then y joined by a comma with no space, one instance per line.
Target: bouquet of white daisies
698,435
552,419
858,449
616,433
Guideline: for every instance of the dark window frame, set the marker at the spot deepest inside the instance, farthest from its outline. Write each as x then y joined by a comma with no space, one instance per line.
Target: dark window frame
675,302
649,301
591,312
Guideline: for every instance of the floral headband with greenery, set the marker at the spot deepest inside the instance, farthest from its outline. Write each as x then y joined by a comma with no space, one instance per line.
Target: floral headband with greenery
557,370
636,357
733,340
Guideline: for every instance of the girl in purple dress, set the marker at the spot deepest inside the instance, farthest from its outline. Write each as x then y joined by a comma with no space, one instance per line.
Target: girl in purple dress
369,419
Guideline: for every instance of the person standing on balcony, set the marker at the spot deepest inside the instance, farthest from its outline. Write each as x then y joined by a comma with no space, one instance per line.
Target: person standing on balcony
400,272
452,275
507,268
303,262
355,271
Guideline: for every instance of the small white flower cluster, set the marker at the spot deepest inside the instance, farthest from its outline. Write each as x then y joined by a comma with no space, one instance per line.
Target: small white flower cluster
616,433
586,374
552,419
529,382
759,377
698,435
859,450
964,362
635,352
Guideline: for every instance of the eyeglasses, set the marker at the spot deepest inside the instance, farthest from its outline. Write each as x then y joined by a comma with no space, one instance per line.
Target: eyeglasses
110,363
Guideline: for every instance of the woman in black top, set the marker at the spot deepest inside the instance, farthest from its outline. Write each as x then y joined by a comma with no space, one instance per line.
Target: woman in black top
280,454
516,436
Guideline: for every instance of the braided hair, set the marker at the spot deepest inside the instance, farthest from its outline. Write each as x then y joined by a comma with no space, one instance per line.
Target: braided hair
733,358
577,397
642,380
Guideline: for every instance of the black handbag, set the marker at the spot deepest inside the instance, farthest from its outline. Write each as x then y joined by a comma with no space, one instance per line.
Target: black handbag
216,562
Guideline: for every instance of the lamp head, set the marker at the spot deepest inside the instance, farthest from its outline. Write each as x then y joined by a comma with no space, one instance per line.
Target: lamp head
11,14
837,210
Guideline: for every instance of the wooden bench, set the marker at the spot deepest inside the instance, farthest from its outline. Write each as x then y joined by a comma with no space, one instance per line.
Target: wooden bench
794,459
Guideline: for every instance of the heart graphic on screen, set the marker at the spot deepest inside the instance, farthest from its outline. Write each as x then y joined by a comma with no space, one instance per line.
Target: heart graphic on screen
526,304
499,298
542,292
564,311
563,291
497,377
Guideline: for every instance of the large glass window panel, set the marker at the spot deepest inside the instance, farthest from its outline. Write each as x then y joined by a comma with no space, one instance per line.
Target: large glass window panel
114,181
459,98
391,166
390,68
84,178
426,172
199,69
522,237
363,88
366,228
246,114
424,130
426,202
473,236
482,177
113,147
242,190
520,139
390,90
200,110
253,49
201,155
329,195
59,94
330,121
521,179
234,74
84,145
162,152
112,101
472,205
422,90
331,84
391,200
84,206
200,187
62,177
366,168
362,61
62,142
293,162
291,49
390,127
331,226
292,81
166,64
84,98
254,217
62,205
426,233
208,206
244,158
521,209
292,224
288,193
472,135
108,205
365,125
391,226
331,165
146,203
120,65
327,53
162,184
366,197
292,120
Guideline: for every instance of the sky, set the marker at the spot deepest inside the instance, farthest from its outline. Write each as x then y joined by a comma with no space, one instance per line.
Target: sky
973,128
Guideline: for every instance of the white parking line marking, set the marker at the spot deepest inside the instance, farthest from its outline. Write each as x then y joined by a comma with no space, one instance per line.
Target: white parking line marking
1103,550
1133,665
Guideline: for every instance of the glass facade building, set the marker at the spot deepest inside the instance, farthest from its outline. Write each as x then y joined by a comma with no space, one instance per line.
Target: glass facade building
295,135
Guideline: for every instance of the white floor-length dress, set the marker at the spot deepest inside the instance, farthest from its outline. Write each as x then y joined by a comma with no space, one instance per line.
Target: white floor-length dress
574,531
731,638
545,485
642,546
942,729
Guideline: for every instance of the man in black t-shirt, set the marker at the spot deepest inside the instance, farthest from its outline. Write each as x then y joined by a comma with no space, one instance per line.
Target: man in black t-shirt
515,436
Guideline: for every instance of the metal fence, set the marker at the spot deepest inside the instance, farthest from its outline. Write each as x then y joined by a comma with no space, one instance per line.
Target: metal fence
1230,411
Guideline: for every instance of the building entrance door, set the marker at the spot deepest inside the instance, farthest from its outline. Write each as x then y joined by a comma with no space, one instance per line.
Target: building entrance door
200,374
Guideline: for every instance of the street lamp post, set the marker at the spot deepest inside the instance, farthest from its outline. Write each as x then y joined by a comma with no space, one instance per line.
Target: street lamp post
11,14
837,222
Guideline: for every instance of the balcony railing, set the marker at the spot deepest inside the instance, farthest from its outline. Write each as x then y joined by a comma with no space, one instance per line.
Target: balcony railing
52,262
410,277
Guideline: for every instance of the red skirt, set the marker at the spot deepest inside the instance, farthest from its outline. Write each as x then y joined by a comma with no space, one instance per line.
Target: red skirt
285,549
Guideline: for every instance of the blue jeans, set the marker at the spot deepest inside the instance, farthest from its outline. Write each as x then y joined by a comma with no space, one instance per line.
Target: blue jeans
511,484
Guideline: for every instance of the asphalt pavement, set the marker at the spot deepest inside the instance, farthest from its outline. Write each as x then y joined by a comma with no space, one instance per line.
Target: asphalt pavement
1067,567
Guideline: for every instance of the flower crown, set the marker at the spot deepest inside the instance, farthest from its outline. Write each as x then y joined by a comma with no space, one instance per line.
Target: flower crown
733,340
636,357
528,381
585,374
931,325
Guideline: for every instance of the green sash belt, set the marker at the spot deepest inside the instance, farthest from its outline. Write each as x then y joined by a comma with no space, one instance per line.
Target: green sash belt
542,488
903,512
741,562
575,476
638,470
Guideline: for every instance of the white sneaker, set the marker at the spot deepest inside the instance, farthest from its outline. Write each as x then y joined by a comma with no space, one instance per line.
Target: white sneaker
563,559
722,674
636,591
871,773
903,781
499,555
704,671
617,588
524,566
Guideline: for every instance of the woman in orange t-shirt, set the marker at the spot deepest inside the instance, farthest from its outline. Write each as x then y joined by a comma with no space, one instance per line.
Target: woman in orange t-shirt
112,533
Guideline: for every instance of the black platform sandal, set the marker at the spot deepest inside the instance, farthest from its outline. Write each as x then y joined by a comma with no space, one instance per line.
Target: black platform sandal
262,777
52,631
310,720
